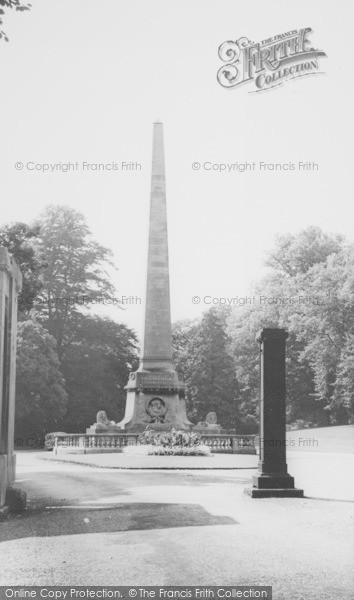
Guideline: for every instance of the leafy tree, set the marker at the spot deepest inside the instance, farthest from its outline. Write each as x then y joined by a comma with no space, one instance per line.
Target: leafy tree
96,367
302,406
309,291
326,328
74,274
40,393
63,274
208,368
182,333
294,254
19,239
11,4
343,395
244,324
243,347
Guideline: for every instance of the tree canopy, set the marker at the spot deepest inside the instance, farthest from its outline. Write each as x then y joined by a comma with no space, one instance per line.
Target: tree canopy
203,357
11,4
74,270
41,397
71,363
309,290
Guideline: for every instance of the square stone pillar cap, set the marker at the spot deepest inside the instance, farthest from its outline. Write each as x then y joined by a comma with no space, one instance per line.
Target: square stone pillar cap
269,333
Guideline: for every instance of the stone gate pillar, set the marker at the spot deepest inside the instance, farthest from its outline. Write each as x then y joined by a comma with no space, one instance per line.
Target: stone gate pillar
10,286
273,478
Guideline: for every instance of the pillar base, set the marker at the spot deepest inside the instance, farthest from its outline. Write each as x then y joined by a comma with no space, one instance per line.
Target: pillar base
274,486
274,493
273,481
4,511
16,500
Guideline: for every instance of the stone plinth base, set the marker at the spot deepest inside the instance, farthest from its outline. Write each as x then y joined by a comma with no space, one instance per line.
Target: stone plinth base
75,450
15,502
16,499
274,486
271,482
274,493
4,511
239,464
81,443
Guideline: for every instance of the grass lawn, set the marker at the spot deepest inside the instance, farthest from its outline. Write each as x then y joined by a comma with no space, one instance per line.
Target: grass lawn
322,439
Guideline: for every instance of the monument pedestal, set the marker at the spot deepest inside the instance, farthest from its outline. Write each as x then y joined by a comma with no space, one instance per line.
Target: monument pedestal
155,399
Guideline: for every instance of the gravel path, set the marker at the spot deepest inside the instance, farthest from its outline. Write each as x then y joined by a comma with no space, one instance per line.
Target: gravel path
94,526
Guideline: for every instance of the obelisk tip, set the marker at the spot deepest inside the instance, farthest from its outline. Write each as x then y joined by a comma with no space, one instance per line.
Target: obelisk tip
157,122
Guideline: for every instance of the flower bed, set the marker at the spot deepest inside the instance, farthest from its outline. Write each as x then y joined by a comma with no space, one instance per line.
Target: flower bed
154,450
168,443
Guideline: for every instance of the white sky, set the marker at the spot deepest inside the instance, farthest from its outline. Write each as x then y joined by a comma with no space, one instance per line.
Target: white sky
83,81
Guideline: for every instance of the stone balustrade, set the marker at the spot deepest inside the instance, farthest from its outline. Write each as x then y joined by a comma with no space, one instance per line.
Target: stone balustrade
231,444
81,443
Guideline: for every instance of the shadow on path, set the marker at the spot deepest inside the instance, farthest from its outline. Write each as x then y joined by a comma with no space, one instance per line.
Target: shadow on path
328,499
71,520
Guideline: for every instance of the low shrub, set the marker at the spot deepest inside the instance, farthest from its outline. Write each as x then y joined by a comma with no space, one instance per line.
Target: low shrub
197,450
168,443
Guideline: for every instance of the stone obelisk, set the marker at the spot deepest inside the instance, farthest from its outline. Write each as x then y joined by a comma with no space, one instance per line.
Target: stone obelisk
155,393
157,344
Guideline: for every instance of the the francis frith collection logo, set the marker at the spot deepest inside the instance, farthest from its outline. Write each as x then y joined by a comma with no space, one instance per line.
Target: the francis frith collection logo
268,63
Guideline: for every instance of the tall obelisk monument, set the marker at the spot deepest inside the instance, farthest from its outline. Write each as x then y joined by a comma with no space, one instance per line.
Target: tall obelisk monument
155,394
157,345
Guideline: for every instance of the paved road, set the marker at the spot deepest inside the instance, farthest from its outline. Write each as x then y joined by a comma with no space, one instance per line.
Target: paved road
321,474
89,526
